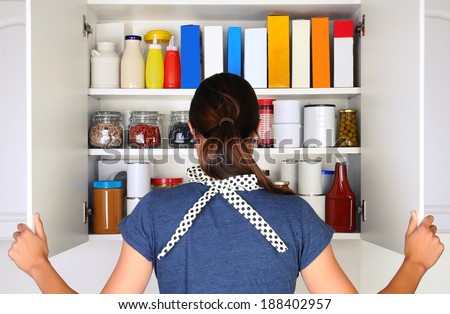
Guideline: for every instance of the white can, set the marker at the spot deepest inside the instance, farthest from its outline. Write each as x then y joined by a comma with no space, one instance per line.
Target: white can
317,202
288,111
131,204
289,172
309,177
287,135
138,179
105,66
319,126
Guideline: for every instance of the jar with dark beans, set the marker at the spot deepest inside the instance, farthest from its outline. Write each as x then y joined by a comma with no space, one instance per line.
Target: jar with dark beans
106,130
179,132
144,129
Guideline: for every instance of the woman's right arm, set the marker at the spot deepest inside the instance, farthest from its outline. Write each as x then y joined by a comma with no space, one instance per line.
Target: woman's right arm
30,253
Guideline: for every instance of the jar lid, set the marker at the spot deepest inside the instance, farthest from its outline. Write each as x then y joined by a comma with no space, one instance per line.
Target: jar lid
347,110
320,105
327,172
160,181
107,114
266,101
133,37
162,36
176,180
107,184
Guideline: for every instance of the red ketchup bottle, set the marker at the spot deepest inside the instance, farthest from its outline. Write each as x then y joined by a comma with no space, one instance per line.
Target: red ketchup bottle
340,208
172,69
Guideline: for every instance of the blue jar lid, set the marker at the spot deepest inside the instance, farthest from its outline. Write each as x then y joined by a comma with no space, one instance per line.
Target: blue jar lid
135,37
107,184
327,172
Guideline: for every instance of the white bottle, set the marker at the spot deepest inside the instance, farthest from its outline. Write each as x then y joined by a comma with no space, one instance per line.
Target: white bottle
132,67
105,66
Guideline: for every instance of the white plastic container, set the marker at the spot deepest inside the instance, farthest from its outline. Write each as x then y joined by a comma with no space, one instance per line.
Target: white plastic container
317,202
289,172
287,135
105,66
288,111
309,177
319,126
138,179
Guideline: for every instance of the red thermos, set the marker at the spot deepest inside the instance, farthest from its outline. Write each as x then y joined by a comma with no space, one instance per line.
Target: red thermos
172,69
340,208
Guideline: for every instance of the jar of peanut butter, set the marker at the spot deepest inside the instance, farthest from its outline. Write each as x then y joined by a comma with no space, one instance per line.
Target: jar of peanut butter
108,206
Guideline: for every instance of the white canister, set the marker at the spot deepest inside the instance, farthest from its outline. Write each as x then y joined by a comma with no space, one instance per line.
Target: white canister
131,204
317,202
138,179
309,177
105,66
319,126
288,111
327,180
287,135
289,173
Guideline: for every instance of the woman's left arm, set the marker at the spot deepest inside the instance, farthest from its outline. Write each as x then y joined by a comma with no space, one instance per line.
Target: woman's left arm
324,275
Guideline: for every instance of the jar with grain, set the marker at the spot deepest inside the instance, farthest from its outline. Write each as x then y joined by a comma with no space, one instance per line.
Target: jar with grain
144,129
179,133
348,128
106,130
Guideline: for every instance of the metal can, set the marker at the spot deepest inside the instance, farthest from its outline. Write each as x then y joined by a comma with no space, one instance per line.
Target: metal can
265,130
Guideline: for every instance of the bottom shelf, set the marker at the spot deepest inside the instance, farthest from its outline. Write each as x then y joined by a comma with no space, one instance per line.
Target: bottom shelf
118,237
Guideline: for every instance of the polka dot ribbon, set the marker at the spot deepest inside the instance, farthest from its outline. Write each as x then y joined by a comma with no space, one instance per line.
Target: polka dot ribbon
227,188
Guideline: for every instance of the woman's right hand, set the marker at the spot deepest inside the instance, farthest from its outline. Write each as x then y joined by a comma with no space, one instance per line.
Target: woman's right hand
422,246
29,251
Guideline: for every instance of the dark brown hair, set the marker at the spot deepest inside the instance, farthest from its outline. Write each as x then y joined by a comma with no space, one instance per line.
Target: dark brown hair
225,111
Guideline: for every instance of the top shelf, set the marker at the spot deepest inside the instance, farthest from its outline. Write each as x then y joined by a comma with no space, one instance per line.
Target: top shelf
183,93
217,10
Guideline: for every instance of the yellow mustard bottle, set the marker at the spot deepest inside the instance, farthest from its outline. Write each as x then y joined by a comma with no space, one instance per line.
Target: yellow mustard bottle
154,68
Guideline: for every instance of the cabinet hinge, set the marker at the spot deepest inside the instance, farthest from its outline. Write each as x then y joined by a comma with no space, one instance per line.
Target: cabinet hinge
362,210
86,212
87,28
360,29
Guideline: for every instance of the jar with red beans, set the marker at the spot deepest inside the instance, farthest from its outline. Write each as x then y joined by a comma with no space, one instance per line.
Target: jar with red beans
144,129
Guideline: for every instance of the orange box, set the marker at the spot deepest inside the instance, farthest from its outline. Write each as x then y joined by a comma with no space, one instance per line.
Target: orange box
320,52
278,48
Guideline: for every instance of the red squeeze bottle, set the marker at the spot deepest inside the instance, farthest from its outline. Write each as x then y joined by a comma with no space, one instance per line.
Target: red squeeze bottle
340,208
172,69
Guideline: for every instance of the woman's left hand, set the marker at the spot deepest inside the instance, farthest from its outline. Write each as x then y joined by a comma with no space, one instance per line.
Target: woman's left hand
29,250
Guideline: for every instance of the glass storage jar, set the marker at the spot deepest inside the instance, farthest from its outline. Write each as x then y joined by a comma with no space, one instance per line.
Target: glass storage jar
144,129
348,128
179,133
106,130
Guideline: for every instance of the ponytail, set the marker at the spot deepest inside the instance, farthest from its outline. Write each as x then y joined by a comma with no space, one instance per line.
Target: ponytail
225,111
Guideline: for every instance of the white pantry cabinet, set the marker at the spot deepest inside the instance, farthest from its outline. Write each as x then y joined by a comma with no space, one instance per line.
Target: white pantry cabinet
389,71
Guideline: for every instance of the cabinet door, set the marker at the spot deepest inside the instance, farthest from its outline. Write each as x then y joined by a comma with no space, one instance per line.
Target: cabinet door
57,76
392,125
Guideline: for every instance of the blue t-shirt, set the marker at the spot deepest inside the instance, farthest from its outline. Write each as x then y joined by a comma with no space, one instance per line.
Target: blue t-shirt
222,252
